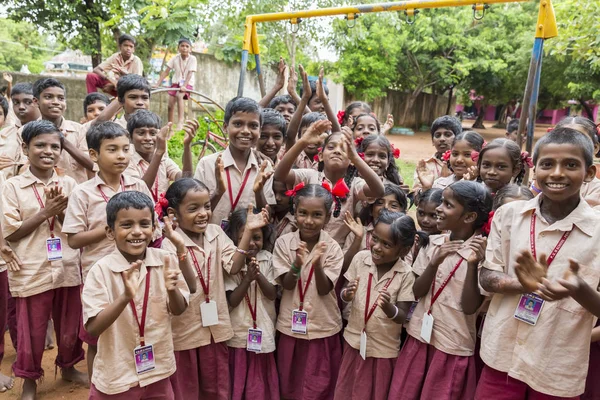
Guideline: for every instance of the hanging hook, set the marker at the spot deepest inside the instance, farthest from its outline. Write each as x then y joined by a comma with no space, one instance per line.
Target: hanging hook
411,13
295,22
479,7
351,17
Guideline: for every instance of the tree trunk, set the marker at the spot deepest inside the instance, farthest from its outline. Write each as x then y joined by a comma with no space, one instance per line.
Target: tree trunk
502,117
407,108
450,94
479,121
586,107
97,52
116,32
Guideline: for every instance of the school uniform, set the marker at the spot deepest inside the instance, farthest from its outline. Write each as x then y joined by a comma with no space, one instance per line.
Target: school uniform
115,366
201,352
41,288
444,182
592,384
434,166
308,363
74,133
133,65
181,68
11,147
239,187
305,162
4,294
253,374
285,225
365,243
444,368
551,357
371,378
590,191
167,173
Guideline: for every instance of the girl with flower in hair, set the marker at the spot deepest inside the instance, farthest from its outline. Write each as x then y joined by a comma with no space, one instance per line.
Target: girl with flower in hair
381,155
500,163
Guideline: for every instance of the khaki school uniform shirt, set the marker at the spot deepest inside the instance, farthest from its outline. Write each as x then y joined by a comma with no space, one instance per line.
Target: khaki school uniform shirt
279,228
188,332
590,191
74,133
453,330
552,356
364,243
444,182
182,67
133,65
87,211
11,147
324,319
2,180
305,162
167,173
37,275
434,166
241,318
383,334
205,173
114,365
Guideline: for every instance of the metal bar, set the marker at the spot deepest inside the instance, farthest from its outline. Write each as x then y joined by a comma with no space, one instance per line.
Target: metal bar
244,65
261,80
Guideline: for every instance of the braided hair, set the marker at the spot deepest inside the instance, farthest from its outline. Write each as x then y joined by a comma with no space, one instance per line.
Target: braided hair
314,190
350,172
474,197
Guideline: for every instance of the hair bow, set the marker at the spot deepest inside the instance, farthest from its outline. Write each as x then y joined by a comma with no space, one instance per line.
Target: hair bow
340,116
526,159
161,205
291,193
446,155
395,151
340,189
361,155
358,141
487,227
475,156
484,144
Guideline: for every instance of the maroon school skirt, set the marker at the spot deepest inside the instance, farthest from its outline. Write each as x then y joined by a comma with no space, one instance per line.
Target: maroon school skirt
363,379
308,369
423,372
253,375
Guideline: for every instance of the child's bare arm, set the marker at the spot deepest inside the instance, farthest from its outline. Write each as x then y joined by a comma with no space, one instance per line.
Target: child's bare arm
374,185
149,177
253,221
499,282
184,261
423,282
190,128
162,76
110,112
292,130
177,303
78,155
292,83
471,298
357,229
267,288
279,82
82,239
236,296
324,284
335,125
596,334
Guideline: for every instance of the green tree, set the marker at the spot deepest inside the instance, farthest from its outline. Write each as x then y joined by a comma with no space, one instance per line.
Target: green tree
22,44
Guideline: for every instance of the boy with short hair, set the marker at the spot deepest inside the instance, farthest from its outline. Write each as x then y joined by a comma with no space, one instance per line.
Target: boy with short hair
108,73
48,281
93,105
272,135
50,96
284,105
135,357
511,131
133,94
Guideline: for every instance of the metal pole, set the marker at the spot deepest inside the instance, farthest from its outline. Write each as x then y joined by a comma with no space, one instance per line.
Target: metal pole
538,55
244,64
261,80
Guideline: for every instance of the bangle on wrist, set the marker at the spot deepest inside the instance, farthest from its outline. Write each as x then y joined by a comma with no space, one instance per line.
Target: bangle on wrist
295,270
244,252
182,256
397,311
343,296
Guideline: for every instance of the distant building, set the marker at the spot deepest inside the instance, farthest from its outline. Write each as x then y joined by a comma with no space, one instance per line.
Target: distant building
71,63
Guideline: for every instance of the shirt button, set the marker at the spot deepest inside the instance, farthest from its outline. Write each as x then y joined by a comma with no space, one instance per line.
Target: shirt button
542,234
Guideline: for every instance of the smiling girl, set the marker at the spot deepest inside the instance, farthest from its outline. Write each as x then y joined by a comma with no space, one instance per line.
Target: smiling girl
462,157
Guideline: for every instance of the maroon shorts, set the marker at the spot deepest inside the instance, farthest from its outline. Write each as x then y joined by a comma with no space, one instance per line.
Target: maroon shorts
174,92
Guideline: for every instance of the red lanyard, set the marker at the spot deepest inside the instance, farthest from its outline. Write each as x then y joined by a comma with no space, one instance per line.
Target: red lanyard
559,245
39,199
154,192
439,291
252,310
205,283
237,199
106,197
369,312
142,324
300,291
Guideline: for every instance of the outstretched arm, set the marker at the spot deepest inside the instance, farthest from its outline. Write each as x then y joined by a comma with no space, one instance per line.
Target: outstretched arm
279,82
335,125
292,130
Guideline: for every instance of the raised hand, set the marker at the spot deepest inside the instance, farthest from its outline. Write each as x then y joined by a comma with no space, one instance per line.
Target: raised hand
478,245
56,201
292,82
301,255
190,128
220,172
131,278
445,171
256,221
389,124
262,177
384,299
349,145
319,253
173,236
314,134
529,271
354,225
162,137
171,275
450,247
13,262
253,271
425,176
306,90
7,77
280,80
350,290
472,173
320,90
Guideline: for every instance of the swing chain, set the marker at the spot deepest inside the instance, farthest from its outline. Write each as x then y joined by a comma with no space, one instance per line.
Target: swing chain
411,13
479,7
351,17
295,22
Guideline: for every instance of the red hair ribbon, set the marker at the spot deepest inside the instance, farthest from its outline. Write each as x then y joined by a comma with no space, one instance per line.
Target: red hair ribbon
361,155
526,159
446,155
475,156
160,205
291,193
316,158
358,141
395,152
487,227
340,189
484,144
340,116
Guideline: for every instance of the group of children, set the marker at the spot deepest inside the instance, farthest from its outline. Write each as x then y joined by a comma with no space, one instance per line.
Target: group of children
286,267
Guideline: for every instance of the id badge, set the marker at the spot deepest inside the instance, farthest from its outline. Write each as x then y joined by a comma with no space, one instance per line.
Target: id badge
427,327
411,310
224,224
363,345
54,249
299,321
529,308
209,313
254,342
144,358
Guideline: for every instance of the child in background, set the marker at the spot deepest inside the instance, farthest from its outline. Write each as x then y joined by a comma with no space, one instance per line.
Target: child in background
50,96
93,105
380,289
272,135
353,110
437,359
284,105
149,162
511,132
47,283
133,93
365,125
380,155
200,334
510,193
315,102
251,298
427,204
283,220
556,229
135,356
501,162
307,265
234,176
443,131
308,158
3,111
335,171
11,152
185,66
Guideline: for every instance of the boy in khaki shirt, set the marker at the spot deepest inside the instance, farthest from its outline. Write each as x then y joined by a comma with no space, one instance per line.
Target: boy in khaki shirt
47,283
128,299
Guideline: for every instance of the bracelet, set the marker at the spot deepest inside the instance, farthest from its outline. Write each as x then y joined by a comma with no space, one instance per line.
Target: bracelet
397,311
182,256
244,252
535,189
295,270
342,293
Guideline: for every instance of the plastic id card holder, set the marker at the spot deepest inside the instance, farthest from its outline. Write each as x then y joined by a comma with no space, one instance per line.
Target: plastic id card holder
529,308
54,249
144,358
209,313
254,342
299,321
363,345
427,327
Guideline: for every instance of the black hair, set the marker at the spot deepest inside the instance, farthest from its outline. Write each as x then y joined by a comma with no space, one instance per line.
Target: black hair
355,104
314,190
283,99
474,197
92,98
4,105
22,88
178,189
433,195
587,124
313,88
125,201
514,153
309,119
474,139
125,37
403,229
391,171
44,83
513,125
237,222
273,118
131,82
350,172
184,40
103,131
40,127
370,115
243,105
511,190
143,119
448,122
366,214
567,136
